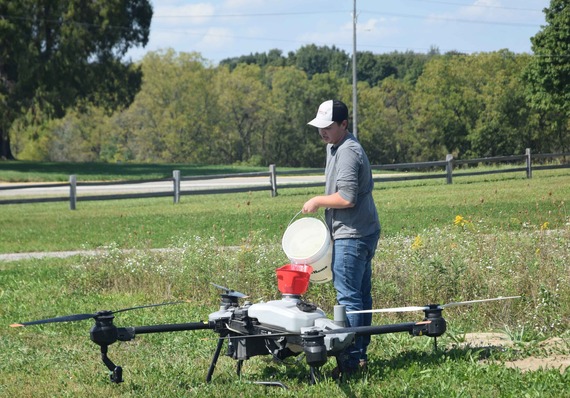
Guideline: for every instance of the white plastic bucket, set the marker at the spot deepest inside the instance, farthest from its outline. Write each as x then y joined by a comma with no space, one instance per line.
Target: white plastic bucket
308,241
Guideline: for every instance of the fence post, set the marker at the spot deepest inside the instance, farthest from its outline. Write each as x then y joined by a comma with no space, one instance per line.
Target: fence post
528,164
72,192
449,168
273,180
176,182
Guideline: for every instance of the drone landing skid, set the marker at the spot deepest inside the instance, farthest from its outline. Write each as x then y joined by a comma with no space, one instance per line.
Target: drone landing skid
116,374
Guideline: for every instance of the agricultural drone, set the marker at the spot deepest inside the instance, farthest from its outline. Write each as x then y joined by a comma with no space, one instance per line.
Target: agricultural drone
280,328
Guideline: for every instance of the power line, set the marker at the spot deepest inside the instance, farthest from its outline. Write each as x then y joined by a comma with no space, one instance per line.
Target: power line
448,19
477,5
204,34
256,14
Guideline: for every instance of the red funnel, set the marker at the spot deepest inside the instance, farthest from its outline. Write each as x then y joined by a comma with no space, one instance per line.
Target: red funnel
293,278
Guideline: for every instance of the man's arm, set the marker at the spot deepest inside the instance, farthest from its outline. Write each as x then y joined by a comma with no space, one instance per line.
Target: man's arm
333,201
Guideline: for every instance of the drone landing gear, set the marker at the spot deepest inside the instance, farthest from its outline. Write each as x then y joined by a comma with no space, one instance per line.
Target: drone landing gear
238,367
116,374
214,360
315,375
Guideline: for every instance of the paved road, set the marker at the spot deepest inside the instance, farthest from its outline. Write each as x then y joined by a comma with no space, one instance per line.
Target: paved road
63,254
161,186
28,256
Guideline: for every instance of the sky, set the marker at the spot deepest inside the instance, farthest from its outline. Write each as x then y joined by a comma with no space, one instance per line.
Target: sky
220,29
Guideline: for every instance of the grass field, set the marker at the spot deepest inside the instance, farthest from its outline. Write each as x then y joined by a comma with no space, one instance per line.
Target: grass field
477,238
24,171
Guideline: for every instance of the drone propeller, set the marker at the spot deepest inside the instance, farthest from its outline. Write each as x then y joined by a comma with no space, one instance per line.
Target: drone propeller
230,292
81,317
424,308
456,304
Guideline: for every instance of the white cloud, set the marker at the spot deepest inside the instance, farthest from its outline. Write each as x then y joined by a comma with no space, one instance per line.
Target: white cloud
216,38
241,4
182,14
486,9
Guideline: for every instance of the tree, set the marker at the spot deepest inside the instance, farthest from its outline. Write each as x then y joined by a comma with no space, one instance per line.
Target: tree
54,53
548,74
507,124
243,113
272,58
314,60
169,119
373,69
447,104
289,141
385,121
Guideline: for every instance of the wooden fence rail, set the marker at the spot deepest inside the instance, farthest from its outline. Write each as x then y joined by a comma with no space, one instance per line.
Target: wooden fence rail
451,168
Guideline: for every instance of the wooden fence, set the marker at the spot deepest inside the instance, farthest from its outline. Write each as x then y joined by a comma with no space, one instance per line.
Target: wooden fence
450,168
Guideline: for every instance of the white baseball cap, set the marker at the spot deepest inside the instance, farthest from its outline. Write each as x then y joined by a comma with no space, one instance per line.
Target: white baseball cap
330,111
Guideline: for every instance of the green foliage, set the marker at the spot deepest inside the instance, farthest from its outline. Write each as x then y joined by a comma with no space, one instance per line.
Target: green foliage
243,105
314,60
254,109
54,54
474,106
168,121
385,122
286,142
548,74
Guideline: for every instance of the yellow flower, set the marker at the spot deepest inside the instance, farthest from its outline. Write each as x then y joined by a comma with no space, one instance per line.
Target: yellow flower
459,221
418,243
544,226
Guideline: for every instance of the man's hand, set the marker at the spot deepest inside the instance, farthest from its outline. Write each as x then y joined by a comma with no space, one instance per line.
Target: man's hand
311,206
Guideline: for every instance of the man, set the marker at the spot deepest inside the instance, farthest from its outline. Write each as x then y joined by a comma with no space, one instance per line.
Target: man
352,218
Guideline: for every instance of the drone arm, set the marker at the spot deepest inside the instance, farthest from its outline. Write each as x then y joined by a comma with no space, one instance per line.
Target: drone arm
432,328
370,330
128,333
176,327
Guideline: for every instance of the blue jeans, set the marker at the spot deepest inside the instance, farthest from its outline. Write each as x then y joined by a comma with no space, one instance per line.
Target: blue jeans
352,273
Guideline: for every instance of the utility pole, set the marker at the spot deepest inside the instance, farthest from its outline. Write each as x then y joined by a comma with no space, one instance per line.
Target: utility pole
354,91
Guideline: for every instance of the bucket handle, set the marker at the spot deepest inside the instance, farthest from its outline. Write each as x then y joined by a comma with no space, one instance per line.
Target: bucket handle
300,211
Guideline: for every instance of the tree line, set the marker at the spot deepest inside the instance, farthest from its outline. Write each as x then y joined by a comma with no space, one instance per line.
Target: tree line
254,109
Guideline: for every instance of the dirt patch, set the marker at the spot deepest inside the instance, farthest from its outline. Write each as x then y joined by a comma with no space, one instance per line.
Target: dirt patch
487,340
556,351
560,362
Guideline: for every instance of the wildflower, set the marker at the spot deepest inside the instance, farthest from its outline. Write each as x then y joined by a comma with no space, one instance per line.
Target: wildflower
418,243
544,226
459,221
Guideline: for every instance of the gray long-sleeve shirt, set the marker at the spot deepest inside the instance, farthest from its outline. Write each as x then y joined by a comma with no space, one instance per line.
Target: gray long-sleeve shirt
348,173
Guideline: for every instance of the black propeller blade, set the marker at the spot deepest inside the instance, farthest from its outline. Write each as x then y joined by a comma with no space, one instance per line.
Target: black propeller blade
81,317
424,308
230,292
